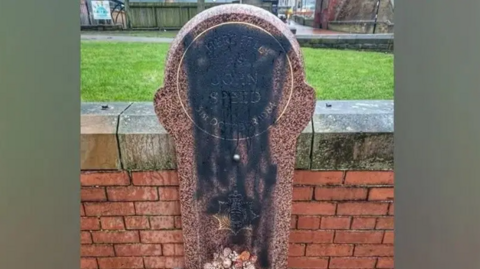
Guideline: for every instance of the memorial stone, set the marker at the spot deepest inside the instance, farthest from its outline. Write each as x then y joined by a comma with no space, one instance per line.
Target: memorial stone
234,101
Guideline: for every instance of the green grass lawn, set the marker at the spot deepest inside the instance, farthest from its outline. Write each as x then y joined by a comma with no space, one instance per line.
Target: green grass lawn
134,71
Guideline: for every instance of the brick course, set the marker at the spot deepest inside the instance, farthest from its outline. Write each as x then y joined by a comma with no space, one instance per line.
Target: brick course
339,220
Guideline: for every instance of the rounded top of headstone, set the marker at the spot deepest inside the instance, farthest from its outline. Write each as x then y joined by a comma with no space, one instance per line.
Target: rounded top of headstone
236,13
234,71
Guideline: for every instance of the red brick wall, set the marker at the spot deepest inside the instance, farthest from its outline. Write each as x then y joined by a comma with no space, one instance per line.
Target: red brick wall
339,220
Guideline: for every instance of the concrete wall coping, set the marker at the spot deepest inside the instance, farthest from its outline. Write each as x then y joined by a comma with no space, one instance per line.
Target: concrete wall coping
345,36
364,42
361,21
343,135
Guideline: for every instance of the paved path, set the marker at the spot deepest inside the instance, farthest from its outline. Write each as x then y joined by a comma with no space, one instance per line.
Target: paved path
301,31
119,38
307,30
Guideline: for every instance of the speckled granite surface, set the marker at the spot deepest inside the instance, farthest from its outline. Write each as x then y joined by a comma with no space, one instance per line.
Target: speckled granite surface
235,100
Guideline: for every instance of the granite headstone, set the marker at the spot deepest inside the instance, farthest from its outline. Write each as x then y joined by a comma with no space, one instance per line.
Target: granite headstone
235,100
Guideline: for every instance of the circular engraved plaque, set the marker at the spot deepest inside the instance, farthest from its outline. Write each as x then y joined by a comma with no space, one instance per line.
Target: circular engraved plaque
234,80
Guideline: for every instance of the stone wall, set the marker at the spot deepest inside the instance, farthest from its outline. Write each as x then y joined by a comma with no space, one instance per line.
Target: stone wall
366,42
302,20
342,208
354,10
361,27
358,16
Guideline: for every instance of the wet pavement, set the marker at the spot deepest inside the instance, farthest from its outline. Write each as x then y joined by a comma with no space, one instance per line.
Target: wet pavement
307,30
301,31
120,38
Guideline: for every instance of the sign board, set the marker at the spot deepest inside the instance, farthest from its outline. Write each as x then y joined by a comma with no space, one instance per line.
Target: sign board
101,10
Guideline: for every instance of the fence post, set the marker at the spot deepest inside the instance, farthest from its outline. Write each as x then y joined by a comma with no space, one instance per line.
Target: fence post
127,14
200,6
376,17
155,16
88,13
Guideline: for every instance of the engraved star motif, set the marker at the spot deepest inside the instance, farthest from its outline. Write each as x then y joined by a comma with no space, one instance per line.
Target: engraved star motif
236,214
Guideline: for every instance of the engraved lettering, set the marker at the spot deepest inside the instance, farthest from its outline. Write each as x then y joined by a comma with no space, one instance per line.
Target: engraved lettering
209,46
236,97
214,121
235,79
221,42
242,97
225,98
253,78
216,81
214,98
256,45
256,97
240,79
269,109
217,42
271,105
233,98
228,79
240,59
204,115
247,41
232,39
261,50
245,97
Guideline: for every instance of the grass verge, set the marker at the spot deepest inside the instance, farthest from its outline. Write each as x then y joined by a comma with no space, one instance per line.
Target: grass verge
134,71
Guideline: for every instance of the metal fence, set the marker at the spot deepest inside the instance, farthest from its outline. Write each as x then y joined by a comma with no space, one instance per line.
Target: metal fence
150,14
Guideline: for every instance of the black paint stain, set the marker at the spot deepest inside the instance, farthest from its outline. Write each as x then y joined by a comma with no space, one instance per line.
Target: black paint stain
230,76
